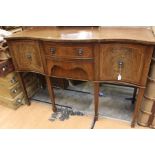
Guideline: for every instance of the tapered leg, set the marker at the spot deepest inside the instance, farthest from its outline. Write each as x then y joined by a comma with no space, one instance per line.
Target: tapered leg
51,93
23,87
137,106
96,98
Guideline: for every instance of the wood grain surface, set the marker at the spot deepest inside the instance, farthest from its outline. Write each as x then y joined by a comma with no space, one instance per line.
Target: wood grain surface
85,34
36,117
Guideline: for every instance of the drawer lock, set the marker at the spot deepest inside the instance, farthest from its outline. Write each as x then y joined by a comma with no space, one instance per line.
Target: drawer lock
29,56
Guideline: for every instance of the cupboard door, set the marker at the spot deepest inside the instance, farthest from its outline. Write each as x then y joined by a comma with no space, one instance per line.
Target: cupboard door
27,55
124,62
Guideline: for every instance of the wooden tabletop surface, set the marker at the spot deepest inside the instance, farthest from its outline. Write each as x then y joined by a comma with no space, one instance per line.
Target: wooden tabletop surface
90,34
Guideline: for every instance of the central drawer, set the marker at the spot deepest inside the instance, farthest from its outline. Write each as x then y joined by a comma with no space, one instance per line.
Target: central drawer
69,50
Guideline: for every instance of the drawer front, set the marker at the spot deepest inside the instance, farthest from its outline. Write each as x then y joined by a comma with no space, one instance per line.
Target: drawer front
67,50
81,70
13,103
9,80
123,62
26,55
15,90
10,92
6,67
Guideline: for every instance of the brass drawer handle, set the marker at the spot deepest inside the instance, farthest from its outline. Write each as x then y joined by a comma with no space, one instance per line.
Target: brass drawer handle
13,80
14,91
80,51
18,101
53,50
4,68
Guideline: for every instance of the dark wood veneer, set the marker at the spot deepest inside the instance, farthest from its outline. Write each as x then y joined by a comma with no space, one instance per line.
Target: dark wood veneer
89,54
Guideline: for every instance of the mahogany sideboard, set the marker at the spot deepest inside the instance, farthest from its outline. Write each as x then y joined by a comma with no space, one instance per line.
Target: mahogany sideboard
119,55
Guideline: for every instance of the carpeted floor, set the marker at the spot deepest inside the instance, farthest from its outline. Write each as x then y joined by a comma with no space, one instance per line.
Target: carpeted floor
112,104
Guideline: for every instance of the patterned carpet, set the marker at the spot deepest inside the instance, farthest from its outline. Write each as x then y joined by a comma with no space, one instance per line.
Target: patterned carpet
112,102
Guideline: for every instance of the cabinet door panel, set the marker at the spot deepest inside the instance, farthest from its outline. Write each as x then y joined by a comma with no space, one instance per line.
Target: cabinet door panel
122,62
80,70
27,55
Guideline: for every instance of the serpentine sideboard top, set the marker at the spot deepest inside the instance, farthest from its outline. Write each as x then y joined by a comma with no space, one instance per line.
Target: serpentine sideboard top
142,35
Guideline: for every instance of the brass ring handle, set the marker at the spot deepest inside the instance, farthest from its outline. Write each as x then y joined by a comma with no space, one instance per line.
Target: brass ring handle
120,63
53,50
80,51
